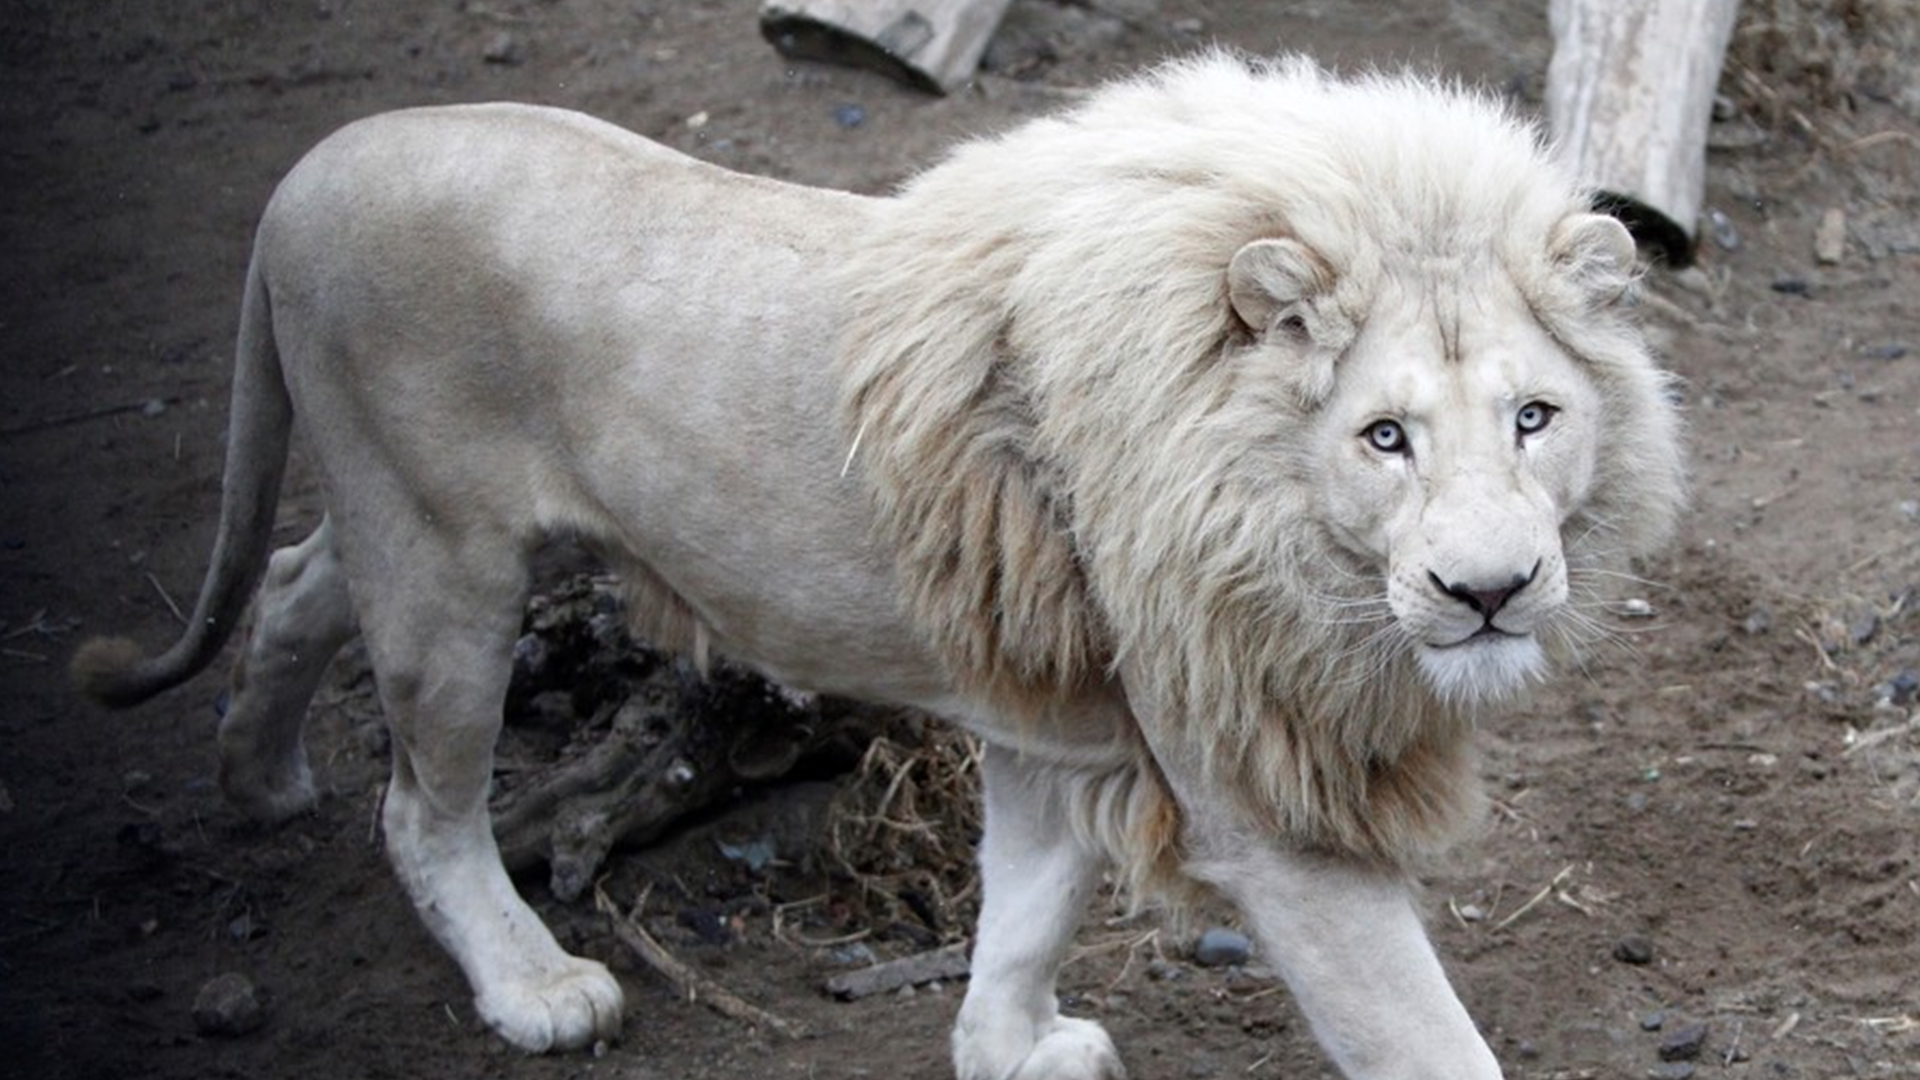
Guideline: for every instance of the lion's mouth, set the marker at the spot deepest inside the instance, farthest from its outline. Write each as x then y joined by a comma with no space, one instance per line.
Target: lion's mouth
1488,632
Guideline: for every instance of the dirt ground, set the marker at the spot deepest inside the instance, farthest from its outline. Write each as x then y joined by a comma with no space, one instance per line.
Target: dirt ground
1717,821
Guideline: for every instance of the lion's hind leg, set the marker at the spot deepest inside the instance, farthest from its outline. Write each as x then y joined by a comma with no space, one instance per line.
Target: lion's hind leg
440,614
1036,877
301,618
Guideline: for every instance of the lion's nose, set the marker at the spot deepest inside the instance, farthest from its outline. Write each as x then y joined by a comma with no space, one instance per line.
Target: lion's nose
1486,600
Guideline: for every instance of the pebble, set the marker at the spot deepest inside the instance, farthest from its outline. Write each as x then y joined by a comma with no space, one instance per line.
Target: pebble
1722,228
849,116
228,1005
1758,621
1654,1020
1791,286
1671,1070
1830,236
1683,1043
1903,688
1636,608
855,954
1221,947
1633,949
504,49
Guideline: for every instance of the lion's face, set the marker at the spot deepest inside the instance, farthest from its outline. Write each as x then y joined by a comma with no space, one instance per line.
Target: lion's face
1457,443
1454,443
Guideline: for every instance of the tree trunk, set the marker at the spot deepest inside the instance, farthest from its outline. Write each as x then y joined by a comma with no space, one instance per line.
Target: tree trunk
1629,97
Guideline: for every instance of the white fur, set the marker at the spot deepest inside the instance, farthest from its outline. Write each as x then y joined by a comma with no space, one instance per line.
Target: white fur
1110,506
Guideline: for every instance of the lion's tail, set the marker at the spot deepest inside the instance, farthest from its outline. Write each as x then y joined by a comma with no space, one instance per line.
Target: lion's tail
116,672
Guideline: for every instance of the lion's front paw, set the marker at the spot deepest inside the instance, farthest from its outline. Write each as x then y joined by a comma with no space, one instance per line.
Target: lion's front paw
1068,1049
566,1010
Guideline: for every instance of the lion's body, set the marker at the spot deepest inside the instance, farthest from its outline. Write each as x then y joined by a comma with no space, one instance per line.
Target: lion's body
1064,443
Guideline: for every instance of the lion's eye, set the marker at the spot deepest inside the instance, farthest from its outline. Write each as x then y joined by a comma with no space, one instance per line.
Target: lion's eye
1533,417
1386,436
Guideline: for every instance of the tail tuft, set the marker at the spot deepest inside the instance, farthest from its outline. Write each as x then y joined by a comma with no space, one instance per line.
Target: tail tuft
103,669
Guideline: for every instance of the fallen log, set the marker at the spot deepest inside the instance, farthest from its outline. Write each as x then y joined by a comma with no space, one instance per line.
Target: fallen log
1629,97
649,740
929,44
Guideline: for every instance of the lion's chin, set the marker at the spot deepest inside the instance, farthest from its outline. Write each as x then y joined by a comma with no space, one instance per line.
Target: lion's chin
1483,669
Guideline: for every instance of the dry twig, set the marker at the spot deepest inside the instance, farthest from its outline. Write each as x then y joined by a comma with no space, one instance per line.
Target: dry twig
1545,891
695,986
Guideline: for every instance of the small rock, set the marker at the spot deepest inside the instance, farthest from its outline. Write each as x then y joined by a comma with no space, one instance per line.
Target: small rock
1904,687
531,657
227,1006
1472,913
1636,608
1654,1020
1758,621
1693,280
849,115
1188,27
1165,971
1791,286
1830,236
1633,949
1671,1070
505,49
1892,350
1862,629
1723,231
854,954
1683,1043
1221,947
153,408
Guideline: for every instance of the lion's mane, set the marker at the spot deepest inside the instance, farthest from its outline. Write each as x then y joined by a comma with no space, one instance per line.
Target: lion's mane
1040,382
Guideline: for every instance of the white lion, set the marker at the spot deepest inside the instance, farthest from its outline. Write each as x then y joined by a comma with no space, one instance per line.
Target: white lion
1214,451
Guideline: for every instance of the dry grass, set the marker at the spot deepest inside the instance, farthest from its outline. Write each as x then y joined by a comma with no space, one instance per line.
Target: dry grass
904,826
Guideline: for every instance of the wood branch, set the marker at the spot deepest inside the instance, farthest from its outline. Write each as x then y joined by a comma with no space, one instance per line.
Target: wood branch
695,986
1629,97
653,741
930,44
84,415
945,963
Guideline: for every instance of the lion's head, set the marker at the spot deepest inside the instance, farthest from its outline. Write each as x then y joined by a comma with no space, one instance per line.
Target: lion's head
1307,408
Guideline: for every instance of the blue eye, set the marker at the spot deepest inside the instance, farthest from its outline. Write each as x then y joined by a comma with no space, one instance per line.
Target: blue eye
1533,417
1386,436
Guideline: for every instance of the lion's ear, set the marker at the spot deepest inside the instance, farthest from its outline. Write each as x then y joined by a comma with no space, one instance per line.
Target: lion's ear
1268,276
1596,252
